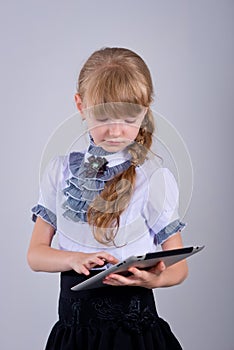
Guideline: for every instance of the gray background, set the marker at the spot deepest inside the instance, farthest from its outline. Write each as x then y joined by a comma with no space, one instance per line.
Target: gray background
188,47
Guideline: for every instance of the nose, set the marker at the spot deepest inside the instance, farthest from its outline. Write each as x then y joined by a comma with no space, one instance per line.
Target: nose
115,129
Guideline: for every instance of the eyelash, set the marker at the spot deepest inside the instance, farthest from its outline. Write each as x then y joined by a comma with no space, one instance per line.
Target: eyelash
130,121
102,120
126,121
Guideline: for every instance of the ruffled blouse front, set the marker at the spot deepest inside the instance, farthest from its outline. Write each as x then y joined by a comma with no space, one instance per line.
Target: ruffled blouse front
71,182
89,174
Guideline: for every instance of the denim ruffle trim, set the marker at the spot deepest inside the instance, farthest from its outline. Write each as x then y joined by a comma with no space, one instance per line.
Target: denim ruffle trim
46,214
83,188
97,150
167,231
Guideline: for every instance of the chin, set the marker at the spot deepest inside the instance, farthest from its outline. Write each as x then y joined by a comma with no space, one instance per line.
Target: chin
113,148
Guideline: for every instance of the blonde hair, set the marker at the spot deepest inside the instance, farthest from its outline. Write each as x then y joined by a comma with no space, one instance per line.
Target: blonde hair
117,75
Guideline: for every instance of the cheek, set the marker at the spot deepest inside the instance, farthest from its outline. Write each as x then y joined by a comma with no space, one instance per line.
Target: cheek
97,133
132,132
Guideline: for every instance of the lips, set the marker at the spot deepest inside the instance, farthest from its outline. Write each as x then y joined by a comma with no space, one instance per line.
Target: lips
114,142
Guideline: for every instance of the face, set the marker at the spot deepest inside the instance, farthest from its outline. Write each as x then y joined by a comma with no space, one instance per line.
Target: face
111,135
116,127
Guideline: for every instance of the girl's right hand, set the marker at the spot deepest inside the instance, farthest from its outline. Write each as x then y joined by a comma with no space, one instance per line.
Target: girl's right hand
83,262
42,257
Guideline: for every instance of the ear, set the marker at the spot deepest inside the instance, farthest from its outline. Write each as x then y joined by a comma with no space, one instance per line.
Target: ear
79,104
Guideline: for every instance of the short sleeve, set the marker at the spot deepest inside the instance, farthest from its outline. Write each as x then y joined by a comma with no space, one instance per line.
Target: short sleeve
161,208
46,207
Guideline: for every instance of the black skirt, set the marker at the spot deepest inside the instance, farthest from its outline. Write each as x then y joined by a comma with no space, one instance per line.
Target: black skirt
109,318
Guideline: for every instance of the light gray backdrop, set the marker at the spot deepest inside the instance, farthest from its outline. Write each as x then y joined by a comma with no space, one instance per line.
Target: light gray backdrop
189,48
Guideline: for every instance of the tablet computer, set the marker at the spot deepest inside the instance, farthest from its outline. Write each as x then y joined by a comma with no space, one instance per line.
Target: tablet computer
144,262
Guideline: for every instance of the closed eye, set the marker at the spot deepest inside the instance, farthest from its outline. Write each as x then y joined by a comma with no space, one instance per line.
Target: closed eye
130,121
102,120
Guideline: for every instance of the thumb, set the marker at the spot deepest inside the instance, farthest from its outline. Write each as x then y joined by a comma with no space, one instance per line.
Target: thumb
159,268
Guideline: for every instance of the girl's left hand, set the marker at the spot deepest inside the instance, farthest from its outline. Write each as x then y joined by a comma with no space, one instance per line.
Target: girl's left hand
159,275
142,278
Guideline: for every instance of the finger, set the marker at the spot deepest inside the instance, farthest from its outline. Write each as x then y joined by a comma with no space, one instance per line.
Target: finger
159,268
139,274
82,270
117,280
96,261
108,257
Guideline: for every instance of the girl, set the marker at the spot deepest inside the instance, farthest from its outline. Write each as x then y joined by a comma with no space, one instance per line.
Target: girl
105,204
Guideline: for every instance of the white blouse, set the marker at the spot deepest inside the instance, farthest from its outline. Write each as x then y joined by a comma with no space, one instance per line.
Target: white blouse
149,220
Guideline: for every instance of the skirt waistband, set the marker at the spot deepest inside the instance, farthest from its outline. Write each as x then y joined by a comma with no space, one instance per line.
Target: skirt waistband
71,278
